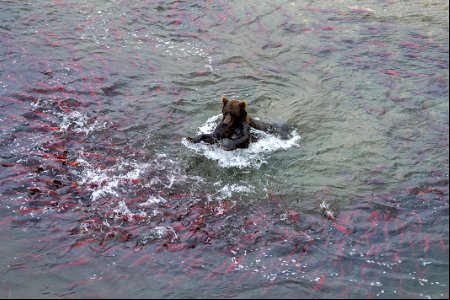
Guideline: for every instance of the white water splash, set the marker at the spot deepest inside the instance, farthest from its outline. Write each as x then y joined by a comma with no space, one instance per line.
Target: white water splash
152,200
326,209
110,181
254,156
228,190
127,176
79,123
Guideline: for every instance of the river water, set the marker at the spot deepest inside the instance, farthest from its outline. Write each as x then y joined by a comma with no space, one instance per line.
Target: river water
102,197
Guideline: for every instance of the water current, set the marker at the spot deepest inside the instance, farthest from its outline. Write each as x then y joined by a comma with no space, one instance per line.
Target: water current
102,196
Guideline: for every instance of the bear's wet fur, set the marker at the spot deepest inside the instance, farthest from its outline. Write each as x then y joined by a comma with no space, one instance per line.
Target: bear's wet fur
234,129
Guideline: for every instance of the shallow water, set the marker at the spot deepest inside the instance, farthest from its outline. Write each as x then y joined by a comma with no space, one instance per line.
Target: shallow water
101,196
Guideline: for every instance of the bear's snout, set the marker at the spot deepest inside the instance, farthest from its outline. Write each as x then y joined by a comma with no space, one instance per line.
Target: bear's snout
227,119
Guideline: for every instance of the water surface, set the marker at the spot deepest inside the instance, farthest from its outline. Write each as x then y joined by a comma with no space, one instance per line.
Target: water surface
102,197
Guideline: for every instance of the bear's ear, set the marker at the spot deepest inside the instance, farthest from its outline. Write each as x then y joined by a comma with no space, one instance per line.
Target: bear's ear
224,100
243,104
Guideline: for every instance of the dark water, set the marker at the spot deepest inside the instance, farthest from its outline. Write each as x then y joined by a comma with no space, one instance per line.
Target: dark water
101,197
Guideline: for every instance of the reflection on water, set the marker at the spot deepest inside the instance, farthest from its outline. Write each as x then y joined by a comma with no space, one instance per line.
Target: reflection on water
102,196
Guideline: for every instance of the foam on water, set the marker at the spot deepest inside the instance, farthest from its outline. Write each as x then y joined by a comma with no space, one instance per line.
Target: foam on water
109,181
152,200
112,181
254,156
228,190
326,209
79,123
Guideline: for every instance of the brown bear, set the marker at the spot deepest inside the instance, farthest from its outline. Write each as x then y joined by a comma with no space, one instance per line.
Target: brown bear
235,127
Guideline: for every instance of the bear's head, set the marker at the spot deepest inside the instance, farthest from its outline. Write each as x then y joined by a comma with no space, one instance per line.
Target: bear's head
234,112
